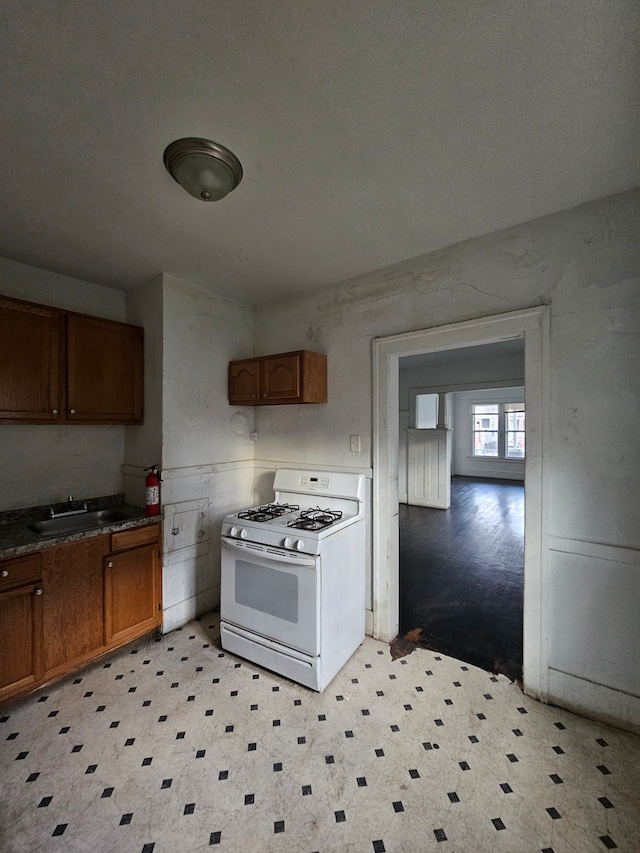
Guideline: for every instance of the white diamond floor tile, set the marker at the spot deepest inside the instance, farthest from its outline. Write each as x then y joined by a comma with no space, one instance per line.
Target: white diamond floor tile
174,745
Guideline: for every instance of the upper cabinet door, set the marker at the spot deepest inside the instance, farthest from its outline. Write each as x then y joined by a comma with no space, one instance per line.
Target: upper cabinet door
244,382
104,371
281,378
29,362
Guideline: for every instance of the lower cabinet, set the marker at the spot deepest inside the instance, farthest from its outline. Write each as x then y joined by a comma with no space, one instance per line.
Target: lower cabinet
67,604
20,625
132,593
73,602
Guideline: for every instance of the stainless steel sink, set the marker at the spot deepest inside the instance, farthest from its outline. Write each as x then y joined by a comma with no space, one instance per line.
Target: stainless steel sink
77,523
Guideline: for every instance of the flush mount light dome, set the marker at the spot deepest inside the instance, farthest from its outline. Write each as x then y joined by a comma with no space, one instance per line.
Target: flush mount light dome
205,169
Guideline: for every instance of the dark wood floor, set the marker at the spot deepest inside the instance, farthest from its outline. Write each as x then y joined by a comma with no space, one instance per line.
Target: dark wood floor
462,574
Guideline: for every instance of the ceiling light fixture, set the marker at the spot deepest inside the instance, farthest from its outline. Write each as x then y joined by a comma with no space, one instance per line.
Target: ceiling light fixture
205,169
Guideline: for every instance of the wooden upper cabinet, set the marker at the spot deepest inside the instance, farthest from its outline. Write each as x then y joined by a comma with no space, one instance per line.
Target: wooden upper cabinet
29,362
290,377
244,382
104,371
280,375
60,367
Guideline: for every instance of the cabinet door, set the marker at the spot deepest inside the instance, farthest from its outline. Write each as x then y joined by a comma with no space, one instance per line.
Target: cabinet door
132,600
29,362
20,638
244,382
281,378
73,601
104,371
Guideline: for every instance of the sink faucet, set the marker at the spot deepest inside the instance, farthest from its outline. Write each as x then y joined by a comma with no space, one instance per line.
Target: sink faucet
69,511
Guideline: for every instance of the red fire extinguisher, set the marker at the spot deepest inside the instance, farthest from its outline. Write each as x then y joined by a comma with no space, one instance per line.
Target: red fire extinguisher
152,487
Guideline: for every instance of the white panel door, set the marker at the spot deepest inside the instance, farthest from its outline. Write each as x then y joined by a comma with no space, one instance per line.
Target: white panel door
429,469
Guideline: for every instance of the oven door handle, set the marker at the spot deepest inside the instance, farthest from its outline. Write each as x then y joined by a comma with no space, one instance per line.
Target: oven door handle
269,555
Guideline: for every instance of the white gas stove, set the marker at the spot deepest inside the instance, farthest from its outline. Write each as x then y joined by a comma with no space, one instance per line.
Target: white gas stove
292,591
299,520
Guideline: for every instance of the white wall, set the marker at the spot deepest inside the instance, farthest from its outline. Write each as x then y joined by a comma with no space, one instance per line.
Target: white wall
45,464
207,455
143,444
464,463
584,264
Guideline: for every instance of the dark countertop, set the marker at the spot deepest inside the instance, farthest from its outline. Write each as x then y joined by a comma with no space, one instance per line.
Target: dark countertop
17,539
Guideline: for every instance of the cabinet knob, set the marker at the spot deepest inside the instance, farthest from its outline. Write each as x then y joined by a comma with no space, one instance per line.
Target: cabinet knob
5,573
72,411
38,592
110,563
54,411
200,533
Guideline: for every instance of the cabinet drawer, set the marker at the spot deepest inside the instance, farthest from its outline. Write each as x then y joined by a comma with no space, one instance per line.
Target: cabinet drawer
19,570
137,536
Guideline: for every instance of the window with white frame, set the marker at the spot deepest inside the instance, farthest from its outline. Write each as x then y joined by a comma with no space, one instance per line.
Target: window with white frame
498,430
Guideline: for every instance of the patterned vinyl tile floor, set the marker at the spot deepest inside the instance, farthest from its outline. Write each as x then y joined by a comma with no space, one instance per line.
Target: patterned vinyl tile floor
173,745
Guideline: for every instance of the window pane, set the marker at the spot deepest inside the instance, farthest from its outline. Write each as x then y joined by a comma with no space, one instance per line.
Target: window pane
485,408
485,444
515,431
486,422
515,420
515,445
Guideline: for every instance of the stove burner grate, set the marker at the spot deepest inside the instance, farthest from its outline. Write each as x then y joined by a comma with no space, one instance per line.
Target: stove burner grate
281,509
315,519
267,512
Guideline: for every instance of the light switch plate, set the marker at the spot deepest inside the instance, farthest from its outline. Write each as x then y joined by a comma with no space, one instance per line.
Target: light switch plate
355,444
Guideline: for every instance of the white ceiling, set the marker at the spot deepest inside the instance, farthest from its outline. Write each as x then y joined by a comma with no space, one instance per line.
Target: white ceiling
470,355
370,131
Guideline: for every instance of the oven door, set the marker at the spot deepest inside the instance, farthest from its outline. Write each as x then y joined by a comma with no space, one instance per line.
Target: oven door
271,592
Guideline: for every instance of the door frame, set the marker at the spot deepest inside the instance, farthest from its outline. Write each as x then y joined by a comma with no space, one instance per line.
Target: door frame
532,324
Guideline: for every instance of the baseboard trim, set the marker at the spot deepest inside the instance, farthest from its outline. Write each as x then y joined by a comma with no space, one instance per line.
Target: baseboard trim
594,701
368,623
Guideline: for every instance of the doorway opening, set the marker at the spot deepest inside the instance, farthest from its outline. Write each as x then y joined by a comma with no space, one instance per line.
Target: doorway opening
461,517
532,325
462,574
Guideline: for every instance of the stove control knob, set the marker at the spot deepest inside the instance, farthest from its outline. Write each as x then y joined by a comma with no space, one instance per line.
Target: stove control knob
242,533
300,545
233,531
287,542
